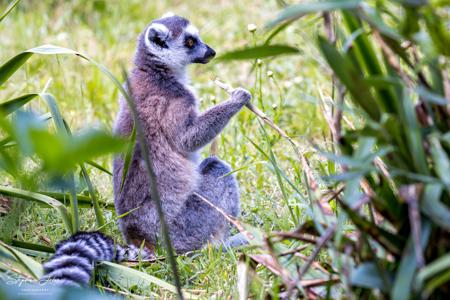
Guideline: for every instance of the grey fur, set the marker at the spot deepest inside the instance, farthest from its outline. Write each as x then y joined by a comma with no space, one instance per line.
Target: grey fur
176,131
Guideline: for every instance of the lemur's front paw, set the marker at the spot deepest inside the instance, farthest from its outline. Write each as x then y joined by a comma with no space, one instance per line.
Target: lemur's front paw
241,95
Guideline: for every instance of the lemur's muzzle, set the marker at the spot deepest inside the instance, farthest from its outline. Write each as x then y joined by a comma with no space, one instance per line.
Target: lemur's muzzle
209,54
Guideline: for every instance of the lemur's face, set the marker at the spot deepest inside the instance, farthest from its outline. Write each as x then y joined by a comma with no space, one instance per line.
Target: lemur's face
174,41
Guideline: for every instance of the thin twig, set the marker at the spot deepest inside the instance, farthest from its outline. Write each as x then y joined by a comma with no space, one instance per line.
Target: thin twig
410,194
305,164
214,147
296,236
294,251
320,243
392,58
284,274
229,218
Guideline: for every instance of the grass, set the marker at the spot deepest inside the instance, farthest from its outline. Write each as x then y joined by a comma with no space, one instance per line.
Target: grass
287,90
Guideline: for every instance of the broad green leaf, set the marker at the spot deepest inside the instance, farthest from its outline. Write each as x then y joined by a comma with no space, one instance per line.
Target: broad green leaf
413,133
383,81
31,246
438,265
367,57
441,160
350,77
294,12
130,277
373,18
11,66
438,31
33,267
368,276
431,97
9,9
391,242
83,200
401,289
64,130
61,153
259,52
433,207
11,106
27,195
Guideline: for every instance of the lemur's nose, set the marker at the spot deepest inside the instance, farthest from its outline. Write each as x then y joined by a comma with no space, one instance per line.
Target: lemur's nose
210,52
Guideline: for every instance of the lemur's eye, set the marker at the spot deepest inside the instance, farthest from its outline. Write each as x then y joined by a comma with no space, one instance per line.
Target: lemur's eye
190,42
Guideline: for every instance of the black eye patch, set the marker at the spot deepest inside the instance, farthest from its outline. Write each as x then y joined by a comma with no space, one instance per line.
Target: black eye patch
190,42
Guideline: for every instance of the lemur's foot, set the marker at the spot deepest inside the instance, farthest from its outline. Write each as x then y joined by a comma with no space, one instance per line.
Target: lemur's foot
241,95
213,164
136,251
234,241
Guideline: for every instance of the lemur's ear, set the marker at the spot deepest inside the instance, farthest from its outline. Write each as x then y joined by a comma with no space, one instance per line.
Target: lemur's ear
157,34
168,15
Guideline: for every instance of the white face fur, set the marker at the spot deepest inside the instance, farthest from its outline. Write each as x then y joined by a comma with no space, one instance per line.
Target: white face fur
176,43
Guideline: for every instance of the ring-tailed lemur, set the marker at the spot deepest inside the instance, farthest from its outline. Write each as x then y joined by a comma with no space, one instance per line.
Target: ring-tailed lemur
175,131
74,258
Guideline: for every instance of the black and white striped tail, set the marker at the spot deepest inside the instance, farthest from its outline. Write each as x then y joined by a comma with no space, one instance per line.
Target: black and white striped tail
74,258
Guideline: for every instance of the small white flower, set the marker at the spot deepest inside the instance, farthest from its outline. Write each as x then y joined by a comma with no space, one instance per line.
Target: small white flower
251,27
270,74
259,62
288,84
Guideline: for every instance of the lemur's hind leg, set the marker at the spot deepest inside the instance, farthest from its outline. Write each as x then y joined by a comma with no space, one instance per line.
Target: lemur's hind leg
199,223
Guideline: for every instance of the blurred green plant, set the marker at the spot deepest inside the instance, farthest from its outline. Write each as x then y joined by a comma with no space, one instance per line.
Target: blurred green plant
390,237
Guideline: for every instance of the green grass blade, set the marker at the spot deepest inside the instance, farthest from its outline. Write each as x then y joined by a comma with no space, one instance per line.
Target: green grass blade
99,167
275,32
408,266
350,77
83,200
441,161
413,134
294,12
11,106
54,110
259,52
130,277
100,219
12,65
389,241
367,275
31,246
63,129
367,57
33,267
9,9
27,195
438,31
128,156
434,268
433,207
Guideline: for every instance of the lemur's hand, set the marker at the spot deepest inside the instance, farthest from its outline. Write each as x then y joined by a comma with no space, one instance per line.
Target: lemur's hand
241,95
